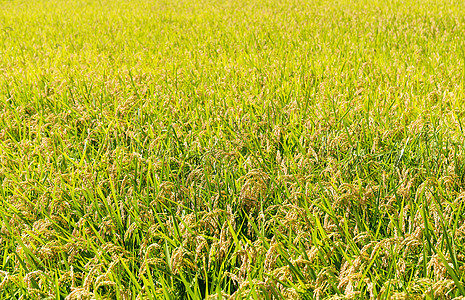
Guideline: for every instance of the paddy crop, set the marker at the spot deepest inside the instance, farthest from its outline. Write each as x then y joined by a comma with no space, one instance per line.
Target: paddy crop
232,149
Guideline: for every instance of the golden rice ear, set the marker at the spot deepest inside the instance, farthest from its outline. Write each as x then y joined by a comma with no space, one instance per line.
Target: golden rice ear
271,255
79,293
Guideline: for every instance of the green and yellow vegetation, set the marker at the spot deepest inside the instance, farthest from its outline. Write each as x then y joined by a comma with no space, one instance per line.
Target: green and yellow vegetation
260,149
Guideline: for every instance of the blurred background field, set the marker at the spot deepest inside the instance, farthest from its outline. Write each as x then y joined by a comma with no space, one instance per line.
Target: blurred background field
232,149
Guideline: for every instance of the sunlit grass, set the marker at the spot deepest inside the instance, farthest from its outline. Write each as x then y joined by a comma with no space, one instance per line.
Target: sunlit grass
232,150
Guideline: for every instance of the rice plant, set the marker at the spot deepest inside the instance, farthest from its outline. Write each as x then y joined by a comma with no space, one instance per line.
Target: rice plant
200,149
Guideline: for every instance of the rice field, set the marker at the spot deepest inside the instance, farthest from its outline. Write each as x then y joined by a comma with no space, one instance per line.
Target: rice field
260,149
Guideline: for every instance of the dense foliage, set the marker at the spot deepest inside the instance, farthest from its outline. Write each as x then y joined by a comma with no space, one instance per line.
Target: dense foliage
233,149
